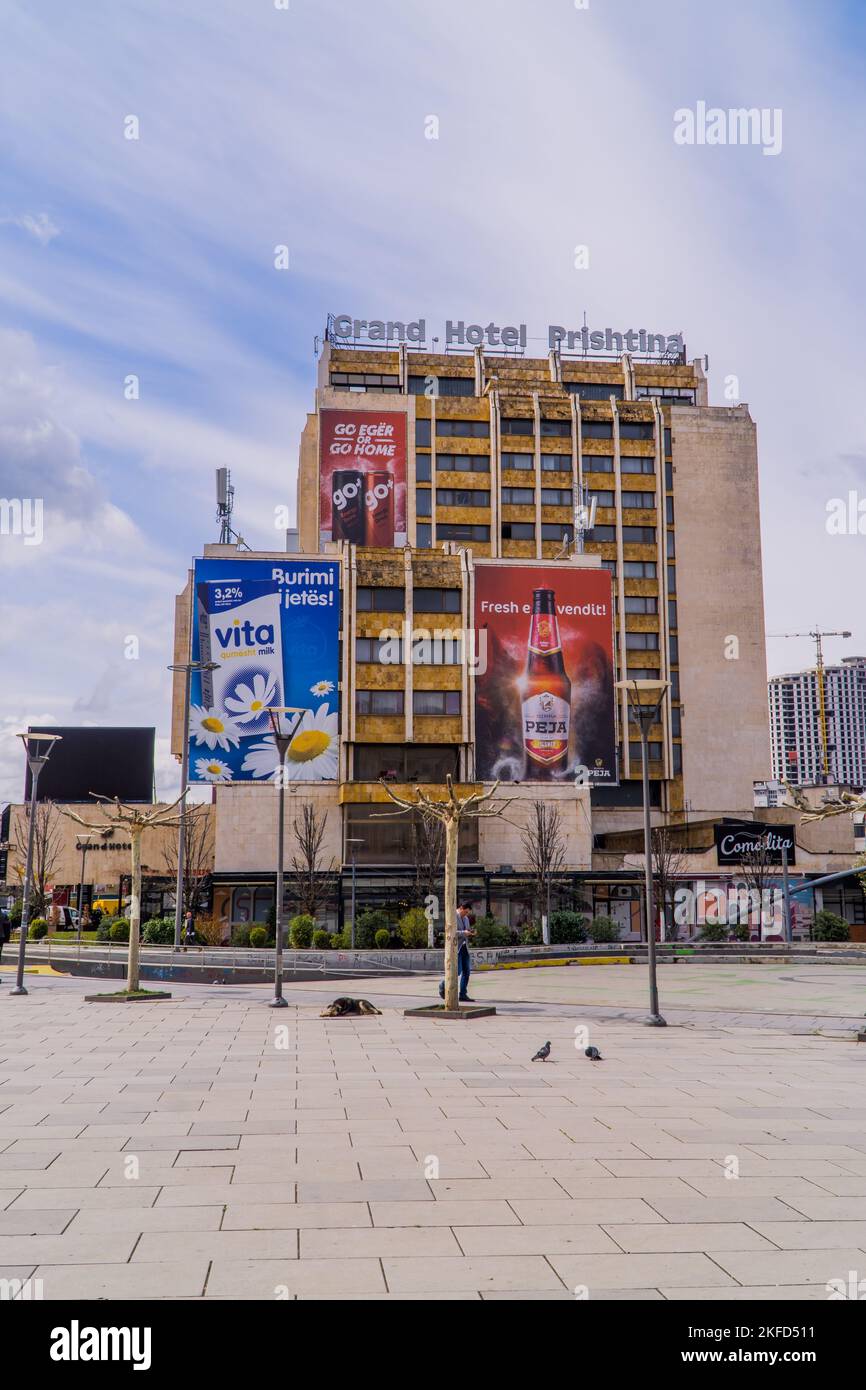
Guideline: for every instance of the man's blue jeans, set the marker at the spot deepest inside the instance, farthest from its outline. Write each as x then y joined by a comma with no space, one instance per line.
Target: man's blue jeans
464,970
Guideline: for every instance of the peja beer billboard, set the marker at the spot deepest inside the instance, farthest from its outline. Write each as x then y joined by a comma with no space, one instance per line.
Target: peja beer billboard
544,704
271,630
362,477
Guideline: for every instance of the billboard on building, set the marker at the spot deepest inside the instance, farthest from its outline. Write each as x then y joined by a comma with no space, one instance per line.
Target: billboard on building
271,630
362,476
91,762
544,697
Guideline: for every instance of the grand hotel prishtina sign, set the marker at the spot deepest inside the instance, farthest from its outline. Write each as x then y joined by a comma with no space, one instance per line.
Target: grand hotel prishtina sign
737,842
460,334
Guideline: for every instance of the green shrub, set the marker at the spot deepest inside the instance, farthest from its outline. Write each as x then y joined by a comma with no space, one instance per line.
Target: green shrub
119,930
103,931
714,931
369,922
567,927
159,931
489,932
413,927
343,940
241,934
15,916
531,935
37,929
829,927
603,929
321,940
742,932
301,930
258,937
382,938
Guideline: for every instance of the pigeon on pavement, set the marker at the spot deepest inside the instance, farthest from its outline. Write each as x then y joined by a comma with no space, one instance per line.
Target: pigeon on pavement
542,1054
593,1054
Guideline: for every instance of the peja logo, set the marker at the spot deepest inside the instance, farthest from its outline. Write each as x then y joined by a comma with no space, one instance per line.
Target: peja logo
77,1343
245,634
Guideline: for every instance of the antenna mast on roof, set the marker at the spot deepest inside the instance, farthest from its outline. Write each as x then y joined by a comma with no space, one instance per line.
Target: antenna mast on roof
225,505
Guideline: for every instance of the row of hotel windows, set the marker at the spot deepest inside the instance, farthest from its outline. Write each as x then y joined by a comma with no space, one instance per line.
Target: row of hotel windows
550,463
448,651
389,384
480,429
392,599
448,702
525,497
525,531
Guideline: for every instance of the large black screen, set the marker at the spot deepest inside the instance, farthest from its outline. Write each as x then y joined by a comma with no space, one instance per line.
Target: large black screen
110,762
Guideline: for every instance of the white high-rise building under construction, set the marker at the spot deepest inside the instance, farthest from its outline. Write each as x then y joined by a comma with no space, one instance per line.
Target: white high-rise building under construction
795,725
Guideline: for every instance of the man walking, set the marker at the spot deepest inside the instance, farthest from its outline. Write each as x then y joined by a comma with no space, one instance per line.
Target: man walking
464,963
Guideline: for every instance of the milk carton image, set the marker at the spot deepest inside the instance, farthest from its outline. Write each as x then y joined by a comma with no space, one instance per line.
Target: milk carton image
239,629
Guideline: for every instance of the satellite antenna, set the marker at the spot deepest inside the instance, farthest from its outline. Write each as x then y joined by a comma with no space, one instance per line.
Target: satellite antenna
225,504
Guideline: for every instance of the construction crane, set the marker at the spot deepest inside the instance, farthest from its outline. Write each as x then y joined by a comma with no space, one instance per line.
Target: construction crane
818,637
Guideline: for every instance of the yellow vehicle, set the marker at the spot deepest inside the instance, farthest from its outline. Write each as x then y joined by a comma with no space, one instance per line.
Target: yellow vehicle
107,905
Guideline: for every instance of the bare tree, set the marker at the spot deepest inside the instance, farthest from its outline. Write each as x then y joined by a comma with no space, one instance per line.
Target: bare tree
47,846
669,863
198,856
428,856
134,820
449,812
544,847
312,881
759,868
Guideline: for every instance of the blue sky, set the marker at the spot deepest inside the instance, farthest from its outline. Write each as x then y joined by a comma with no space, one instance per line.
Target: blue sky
260,127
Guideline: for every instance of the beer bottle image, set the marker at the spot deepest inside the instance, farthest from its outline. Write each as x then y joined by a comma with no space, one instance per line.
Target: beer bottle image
546,694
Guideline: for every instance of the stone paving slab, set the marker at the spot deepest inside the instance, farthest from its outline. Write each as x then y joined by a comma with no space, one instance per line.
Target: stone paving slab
186,1154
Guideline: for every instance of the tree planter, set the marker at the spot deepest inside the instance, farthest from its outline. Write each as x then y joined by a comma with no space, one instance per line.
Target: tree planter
440,1011
149,997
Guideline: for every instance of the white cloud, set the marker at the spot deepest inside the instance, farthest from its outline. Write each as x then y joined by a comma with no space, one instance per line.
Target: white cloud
39,226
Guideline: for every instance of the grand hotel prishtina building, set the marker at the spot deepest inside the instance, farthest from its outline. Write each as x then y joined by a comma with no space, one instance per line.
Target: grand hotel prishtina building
509,537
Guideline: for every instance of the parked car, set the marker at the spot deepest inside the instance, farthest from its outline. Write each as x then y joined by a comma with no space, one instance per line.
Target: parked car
67,918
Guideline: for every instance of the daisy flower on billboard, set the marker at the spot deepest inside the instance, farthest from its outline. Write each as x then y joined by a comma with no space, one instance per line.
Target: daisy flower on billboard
250,702
262,759
210,727
212,770
321,688
313,752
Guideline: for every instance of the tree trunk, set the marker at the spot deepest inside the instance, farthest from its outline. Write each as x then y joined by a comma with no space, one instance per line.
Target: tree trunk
452,834
132,981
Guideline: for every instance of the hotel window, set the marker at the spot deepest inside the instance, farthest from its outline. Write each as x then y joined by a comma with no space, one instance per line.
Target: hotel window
461,497
422,468
556,497
423,535
668,441
436,600
557,531
423,502
441,386
677,722
518,531
365,381
422,433
437,651
556,463
639,535
672,613
674,647
641,673
642,641
463,429
669,511
631,464
603,498
672,579
677,766
603,533
654,752
669,477
374,651
597,463
369,600
521,426
436,702
562,428
382,702
518,497
597,429
668,395
462,463
405,762
518,460
675,685
461,531
669,547
635,429
638,499
638,603
594,390
639,569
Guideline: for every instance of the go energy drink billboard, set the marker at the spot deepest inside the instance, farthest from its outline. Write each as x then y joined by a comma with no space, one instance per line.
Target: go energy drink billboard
362,477
271,632
544,702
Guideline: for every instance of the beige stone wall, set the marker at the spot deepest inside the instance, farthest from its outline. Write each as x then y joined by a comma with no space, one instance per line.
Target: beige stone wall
500,838
726,744
246,825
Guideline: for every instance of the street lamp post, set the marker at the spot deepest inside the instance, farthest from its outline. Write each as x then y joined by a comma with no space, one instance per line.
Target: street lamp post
282,739
187,667
36,759
645,713
353,840
84,846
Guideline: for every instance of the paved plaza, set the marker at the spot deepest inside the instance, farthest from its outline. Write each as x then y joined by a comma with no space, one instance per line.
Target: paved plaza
212,1148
